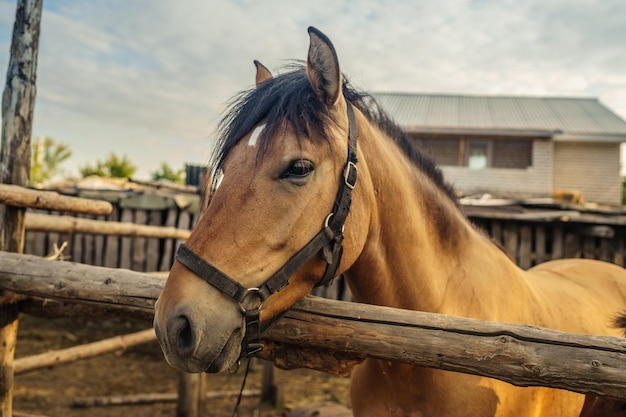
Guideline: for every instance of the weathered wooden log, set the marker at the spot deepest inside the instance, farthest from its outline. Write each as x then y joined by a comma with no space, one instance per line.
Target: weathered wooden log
87,350
191,394
18,103
36,276
15,196
68,224
522,355
51,309
20,414
519,354
164,397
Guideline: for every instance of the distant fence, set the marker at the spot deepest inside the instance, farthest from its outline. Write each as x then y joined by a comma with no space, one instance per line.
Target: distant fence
138,253
129,252
531,237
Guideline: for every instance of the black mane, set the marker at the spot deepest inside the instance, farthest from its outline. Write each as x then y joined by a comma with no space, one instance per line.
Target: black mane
290,98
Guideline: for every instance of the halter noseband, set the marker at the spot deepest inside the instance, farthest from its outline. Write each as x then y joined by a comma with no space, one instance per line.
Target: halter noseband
329,240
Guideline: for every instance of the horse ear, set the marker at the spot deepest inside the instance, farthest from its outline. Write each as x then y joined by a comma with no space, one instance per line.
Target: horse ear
323,67
262,73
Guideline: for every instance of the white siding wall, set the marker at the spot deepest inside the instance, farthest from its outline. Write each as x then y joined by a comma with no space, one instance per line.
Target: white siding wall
532,181
591,168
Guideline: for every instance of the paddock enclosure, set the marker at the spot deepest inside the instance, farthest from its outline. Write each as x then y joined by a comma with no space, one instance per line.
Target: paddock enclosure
114,248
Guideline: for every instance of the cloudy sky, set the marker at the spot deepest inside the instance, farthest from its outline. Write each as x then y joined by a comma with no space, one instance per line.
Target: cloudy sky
150,78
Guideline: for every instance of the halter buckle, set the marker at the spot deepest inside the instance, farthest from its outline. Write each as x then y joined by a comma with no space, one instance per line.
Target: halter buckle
251,295
350,175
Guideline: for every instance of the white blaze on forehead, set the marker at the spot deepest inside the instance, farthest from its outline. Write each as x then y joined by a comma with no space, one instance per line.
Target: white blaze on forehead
255,135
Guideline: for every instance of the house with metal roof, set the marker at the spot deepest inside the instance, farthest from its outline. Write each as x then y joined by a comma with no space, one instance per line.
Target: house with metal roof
516,146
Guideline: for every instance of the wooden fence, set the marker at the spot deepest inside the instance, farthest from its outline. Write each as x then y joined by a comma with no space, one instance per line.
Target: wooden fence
139,253
529,235
113,248
29,299
533,235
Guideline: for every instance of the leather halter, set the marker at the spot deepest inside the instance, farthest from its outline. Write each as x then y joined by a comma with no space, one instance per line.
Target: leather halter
328,241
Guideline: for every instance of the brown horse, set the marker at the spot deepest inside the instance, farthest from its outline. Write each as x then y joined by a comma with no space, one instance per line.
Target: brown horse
288,157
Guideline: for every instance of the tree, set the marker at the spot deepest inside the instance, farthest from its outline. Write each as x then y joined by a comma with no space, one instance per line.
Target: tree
166,172
112,167
47,157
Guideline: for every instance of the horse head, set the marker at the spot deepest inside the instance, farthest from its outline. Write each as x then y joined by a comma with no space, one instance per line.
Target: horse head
286,173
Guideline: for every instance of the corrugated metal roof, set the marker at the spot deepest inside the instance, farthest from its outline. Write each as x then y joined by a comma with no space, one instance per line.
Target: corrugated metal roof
567,116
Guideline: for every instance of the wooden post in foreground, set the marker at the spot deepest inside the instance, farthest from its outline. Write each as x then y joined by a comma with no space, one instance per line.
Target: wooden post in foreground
18,102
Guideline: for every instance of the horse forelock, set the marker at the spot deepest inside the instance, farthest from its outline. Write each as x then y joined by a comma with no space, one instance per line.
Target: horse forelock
285,100
289,100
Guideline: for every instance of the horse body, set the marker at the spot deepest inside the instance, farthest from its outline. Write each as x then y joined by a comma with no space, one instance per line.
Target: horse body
407,245
423,254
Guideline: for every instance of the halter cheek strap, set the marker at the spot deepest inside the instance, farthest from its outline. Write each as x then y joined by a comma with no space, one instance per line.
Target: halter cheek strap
329,241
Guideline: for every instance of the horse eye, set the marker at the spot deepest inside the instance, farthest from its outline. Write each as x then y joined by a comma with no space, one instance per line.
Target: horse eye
298,169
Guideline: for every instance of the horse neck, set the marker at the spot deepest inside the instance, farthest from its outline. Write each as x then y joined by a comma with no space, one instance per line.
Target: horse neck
421,252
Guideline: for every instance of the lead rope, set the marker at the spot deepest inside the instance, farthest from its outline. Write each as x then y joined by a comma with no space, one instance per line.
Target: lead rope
243,385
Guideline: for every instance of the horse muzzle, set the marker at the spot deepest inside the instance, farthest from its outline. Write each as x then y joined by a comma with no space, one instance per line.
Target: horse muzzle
196,341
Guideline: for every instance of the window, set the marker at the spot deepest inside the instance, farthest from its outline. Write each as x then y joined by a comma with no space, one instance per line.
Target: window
478,154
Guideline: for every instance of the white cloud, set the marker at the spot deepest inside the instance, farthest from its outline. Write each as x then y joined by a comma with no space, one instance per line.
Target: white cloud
149,78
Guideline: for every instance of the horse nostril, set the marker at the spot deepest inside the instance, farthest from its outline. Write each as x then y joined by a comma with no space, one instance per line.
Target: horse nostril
184,336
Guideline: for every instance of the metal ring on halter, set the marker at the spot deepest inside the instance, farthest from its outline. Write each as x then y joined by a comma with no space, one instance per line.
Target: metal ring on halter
327,222
245,306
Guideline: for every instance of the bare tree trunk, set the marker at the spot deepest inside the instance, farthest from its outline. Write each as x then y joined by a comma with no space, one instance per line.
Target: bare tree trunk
18,102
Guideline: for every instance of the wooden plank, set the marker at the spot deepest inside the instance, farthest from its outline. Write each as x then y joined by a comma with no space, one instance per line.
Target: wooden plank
77,247
16,196
184,222
496,232
98,245
29,243
152,244
618,257
138,257
540,244
88,245
605,250
589,248
112,243
39,244
511,239
525,246
533,216
71,224
52,241
87,350
167,256
558,243
572,246
191,390
159,397
126,242
269,389
18,102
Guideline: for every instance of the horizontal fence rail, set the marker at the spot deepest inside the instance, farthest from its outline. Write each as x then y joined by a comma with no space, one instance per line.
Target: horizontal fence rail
521,355
16,196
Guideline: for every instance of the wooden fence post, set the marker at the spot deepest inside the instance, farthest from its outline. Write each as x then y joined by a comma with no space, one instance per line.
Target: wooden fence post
18,102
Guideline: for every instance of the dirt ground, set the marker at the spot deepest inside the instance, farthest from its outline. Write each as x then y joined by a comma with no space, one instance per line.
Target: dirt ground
140,370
